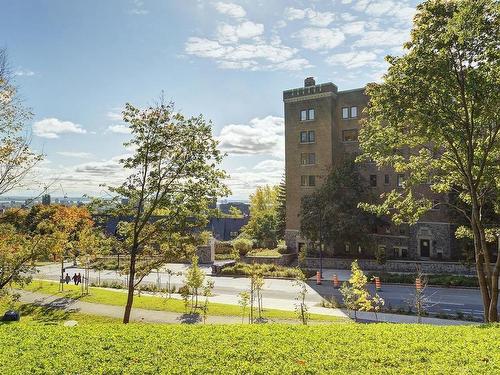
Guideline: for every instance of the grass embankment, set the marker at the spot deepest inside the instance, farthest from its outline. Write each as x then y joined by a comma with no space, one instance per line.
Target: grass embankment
109,297
267,270
258,349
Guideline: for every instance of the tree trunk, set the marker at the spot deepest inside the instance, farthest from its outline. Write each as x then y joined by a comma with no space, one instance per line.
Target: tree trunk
130,296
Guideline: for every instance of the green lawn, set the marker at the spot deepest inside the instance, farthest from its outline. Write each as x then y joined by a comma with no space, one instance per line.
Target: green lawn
108,297
243,349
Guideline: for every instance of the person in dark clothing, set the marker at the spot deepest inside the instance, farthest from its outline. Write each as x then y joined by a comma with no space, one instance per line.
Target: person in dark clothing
75,279
78,278
67,279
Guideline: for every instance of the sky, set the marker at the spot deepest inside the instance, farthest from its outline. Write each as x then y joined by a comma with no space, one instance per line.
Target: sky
76,64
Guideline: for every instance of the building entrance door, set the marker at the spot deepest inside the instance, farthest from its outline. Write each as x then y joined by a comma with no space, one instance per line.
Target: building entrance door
425,248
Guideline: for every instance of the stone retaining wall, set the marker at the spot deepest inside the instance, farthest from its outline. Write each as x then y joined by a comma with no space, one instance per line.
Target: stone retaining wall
429,267
284,260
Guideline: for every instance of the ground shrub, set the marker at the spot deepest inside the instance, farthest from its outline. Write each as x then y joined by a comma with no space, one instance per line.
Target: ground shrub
439,280
270,253
242,246
267,270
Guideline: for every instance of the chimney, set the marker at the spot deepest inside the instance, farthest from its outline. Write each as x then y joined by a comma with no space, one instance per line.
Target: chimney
309,81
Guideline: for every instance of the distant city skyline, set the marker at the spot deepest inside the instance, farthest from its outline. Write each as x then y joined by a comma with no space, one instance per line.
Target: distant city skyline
78,63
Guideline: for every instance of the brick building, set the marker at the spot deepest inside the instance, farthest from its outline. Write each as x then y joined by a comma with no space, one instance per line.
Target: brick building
321,129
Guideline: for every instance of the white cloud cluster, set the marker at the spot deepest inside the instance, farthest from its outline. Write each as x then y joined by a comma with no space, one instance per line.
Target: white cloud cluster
73,154
232,33
119,128
400,10
259,136
315,18
230,9
354,59
53,127
252,56
24,72
138,8
316,38
390,37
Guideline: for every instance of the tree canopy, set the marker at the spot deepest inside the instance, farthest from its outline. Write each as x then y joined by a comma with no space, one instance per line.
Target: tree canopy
436,118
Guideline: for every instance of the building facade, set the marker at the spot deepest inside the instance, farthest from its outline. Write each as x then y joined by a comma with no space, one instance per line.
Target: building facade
321,130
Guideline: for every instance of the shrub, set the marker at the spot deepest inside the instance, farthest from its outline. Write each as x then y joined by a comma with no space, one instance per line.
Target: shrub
264,253
242,246
223,247
267,270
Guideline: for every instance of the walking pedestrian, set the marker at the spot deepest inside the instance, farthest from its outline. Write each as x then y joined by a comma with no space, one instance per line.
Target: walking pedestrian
67,278
75,279
79,278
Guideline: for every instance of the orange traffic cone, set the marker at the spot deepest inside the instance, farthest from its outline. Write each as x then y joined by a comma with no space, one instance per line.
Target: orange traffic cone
418,284
378,285
318,278
336,282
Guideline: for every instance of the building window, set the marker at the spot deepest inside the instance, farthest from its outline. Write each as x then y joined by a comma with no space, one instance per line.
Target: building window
404,252
307,158
386,179
347,247
354,112
312,180
373,180
345,112
310,114
307,136
307,114
350,135
400,180
307,180
399,252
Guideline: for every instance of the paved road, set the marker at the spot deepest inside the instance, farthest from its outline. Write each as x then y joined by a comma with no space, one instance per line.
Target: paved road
281,293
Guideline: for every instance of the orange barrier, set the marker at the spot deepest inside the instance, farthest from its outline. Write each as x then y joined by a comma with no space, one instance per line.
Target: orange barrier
378,285
318,278
418,284
336,282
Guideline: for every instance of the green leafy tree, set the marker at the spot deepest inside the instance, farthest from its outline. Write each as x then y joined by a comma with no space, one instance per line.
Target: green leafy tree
263,223
235,212
330,215
243,300
301,307
194,281
16,157
436,118
355,292
174,168
281,209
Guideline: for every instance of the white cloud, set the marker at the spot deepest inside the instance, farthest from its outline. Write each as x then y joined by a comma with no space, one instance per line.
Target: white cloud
260,136
244,183
231,34
355,28
71,154
319,38
138,8
257,56
119,128
390,37
348,17
230,9
24,73
270,165
352,60
114,116
321,19
52,128
400,10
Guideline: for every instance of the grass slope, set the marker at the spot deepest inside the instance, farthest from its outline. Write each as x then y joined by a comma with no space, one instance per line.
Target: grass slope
109,297
258,349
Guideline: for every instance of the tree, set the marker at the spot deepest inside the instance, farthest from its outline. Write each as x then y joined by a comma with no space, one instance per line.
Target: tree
16,157
281,209
194,281
263,223
436,118
301,307
235,212
330,215
174,168
356,295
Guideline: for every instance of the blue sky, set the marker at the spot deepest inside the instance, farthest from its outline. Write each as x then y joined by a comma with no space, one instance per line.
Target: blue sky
77,63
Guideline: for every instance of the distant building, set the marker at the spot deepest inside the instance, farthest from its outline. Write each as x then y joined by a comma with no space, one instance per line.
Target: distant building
46,199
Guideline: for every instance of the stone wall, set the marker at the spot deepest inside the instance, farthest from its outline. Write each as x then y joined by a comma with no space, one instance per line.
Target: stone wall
284,260
429,267
206,254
